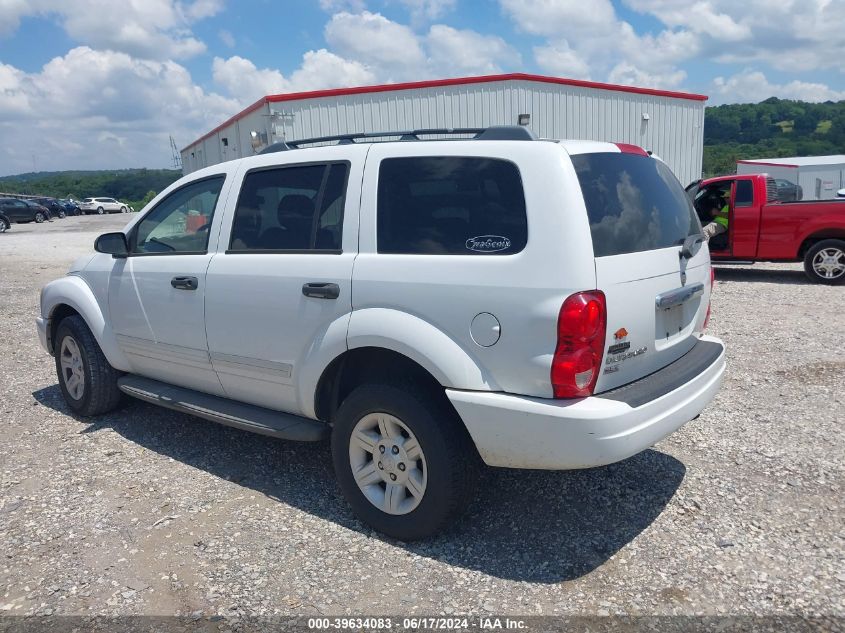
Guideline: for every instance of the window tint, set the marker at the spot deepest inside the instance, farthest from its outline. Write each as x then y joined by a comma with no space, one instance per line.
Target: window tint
291,208
634,203
446,205
744,193
179,223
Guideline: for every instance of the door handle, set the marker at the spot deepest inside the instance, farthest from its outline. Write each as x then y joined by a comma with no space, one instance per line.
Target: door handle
185,283
321,290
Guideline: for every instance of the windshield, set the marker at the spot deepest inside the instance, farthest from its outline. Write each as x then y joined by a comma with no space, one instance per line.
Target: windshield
634,203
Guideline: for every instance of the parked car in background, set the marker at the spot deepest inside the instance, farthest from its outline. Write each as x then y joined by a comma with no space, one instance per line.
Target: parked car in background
102,205
53,206
762,227
40,207
71,206
5,223
23,211
486,324
788,191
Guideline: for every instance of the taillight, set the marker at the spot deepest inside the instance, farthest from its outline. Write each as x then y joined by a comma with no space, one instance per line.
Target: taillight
581,328
710,297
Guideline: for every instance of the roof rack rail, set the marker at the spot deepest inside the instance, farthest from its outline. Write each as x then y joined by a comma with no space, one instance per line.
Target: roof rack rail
492,133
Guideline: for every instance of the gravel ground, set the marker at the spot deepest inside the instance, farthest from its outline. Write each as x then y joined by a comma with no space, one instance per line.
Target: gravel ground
146,511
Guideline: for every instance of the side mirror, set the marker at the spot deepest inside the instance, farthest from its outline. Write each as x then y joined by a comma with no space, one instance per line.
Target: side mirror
113,244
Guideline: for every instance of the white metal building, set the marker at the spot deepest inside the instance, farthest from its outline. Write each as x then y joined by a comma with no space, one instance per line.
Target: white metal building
819,176
670,124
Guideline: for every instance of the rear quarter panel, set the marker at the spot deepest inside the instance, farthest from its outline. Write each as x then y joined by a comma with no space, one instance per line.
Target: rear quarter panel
785,226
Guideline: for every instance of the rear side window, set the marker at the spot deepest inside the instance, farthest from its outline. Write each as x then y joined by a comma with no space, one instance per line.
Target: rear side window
297,208
447,205
634,203
744,193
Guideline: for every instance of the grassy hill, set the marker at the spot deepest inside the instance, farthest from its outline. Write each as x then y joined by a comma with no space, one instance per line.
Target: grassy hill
128,185
771,129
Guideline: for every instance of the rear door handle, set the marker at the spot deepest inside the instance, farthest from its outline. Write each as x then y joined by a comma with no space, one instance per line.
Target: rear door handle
321,290
185,283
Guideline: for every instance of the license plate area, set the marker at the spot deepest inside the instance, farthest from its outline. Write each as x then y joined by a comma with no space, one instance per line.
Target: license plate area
675,323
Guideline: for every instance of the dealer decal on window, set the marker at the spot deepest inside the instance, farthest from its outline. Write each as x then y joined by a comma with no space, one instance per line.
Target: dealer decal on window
488,243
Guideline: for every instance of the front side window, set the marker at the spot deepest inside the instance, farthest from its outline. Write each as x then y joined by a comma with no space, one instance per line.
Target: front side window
180,223
296,208
634,203
450,205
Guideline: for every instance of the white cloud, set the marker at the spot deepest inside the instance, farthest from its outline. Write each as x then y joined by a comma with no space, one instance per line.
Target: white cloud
593,41
374,40
559,59
152,29
428,9
629,75
241,79
751,86
334,6
468,52
789,35
101,109
227,38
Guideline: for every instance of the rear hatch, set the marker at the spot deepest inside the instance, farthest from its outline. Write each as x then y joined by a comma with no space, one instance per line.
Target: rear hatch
657,293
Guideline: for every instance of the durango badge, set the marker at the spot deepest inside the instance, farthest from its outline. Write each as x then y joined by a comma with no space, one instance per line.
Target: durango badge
488,243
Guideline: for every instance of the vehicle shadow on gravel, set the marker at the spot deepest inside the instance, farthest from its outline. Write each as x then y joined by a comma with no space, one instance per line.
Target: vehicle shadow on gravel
726,273
534,526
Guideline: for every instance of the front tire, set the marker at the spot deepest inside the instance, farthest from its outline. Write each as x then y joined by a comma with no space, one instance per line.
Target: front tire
124,210
87,381
62,215
824,262
403,460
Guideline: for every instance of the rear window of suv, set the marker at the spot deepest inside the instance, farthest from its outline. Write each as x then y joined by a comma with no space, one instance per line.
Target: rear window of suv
450,205
634,203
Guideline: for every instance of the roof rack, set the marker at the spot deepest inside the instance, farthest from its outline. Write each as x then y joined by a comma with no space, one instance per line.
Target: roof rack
492,133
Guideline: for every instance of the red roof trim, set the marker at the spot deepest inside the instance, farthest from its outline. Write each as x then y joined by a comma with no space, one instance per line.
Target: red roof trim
458,81
762,162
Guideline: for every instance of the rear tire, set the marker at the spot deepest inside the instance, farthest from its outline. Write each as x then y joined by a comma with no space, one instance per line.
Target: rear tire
5,225
62,215
418,491
100,211
39,217
87,381
824,262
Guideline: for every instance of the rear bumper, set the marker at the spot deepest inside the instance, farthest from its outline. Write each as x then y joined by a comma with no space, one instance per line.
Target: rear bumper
522,432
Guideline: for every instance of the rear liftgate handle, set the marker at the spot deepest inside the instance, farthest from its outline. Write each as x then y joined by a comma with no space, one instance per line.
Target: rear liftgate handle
321,290
185,283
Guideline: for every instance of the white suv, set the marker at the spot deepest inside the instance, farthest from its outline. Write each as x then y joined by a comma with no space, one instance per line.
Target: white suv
428,305
102,205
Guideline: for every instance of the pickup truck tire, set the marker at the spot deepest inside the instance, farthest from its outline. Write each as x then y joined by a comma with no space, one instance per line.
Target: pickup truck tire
87,381
825,262
401,442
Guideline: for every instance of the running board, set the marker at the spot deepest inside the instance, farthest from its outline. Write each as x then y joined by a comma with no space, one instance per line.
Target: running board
224,411
731,262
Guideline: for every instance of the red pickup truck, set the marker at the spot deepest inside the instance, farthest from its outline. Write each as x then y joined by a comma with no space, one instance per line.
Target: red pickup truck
763,228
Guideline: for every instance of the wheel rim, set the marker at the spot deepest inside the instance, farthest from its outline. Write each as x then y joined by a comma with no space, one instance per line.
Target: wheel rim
39,217
388,463
829,263
3,226
73,372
